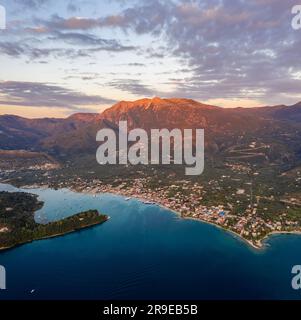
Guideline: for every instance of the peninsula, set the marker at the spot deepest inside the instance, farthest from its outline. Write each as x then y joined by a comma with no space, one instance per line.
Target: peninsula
17,224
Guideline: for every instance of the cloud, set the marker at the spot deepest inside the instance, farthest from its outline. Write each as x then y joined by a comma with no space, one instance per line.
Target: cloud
135,87
136,64
141,19
19,49
81,39
36,40
57,23
234,48
11,49
83,46
80,23
36,94
31,3
86,76
71,7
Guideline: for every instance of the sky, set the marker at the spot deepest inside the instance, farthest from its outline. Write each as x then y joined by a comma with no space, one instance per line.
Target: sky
62,57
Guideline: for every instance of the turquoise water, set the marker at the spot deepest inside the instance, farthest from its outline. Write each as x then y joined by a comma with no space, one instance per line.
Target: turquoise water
144,252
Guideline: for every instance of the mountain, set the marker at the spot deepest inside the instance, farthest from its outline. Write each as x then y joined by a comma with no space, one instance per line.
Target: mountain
277,127
44,134
281,112
18,133
84,117
175,113
148,114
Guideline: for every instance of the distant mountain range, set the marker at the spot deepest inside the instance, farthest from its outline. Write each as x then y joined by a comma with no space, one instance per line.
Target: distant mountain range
278,126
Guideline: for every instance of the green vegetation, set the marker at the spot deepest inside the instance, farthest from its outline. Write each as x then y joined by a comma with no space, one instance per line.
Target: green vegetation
246,188
17,224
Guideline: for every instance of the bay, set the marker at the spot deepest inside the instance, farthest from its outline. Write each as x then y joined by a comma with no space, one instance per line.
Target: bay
144,252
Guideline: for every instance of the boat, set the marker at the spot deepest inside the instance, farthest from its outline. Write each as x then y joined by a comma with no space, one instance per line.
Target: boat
127,199
148,202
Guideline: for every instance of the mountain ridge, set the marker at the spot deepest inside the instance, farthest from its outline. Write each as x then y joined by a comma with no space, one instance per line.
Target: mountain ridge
159,102
224,126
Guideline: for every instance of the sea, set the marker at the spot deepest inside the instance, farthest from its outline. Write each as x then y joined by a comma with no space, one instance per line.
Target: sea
144,252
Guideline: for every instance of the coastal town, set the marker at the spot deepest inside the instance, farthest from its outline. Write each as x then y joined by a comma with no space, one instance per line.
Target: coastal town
250,226
235,207
236,198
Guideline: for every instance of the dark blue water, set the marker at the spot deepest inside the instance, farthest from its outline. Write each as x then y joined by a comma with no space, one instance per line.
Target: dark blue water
144,252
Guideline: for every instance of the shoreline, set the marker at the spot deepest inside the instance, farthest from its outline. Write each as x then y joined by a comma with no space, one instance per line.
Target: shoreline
233,233
54,235
259,246
59,233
